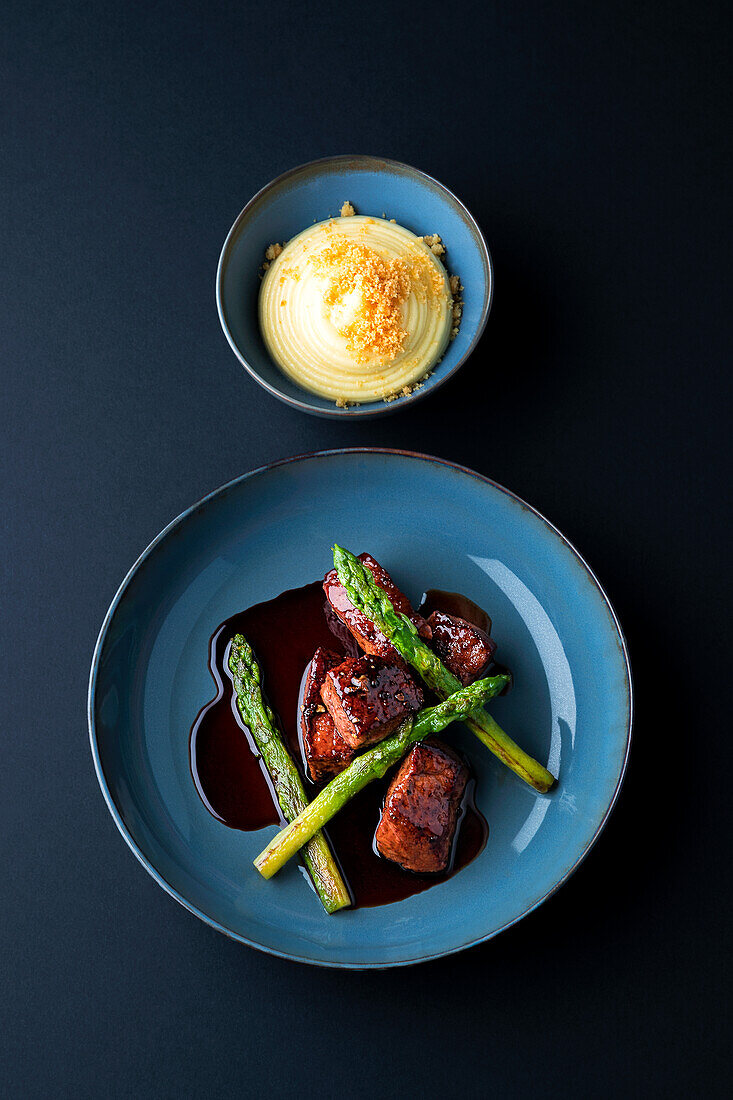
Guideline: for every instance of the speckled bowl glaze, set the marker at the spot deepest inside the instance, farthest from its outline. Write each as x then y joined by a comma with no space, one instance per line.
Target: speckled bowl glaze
431,524
317,191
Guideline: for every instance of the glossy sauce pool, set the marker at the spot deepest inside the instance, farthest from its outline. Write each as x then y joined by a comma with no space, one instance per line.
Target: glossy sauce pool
233,785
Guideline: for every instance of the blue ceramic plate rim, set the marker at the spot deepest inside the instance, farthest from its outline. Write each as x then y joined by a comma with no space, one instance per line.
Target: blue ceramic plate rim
151,869
375,408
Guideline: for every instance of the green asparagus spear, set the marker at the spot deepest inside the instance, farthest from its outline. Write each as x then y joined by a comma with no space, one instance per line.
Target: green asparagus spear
369,766
286,780
367,596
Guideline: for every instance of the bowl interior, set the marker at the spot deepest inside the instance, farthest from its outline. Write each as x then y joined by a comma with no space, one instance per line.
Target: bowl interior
315,192
569,706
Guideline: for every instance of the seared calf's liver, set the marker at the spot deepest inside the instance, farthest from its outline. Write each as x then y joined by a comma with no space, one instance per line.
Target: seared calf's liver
325,750
368,698
421,809
463,648
363,629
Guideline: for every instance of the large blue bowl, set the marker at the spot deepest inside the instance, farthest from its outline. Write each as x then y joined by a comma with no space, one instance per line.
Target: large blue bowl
317,191
432,524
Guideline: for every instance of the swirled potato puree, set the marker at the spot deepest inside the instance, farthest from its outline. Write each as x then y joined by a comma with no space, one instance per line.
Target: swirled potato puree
357,308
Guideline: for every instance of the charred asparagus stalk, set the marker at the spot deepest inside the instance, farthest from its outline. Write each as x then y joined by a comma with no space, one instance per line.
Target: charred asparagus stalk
367,596
288,786
369,766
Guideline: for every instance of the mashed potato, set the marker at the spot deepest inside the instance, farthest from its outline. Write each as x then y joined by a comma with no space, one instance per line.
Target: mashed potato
356,309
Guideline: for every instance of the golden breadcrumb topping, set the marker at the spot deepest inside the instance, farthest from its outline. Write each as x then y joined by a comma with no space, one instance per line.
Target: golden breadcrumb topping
347,210
425,275
455,289
412,387
383,286
435,244
271,253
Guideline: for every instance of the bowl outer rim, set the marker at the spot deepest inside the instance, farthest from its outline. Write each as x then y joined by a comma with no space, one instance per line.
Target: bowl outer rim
225,488
373,408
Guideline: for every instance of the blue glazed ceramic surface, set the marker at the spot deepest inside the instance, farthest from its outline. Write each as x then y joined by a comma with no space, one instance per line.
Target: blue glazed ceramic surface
317,191
431,524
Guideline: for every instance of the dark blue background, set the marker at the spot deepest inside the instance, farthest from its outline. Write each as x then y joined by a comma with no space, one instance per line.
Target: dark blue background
592,142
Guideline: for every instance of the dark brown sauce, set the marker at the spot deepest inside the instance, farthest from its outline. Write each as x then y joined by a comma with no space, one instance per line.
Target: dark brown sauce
233,785
453,603
283,632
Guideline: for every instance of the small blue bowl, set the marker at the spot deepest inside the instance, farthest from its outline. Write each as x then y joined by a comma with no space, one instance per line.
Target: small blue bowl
317,191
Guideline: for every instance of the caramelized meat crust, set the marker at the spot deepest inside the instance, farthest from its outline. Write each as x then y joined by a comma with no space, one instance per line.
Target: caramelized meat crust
367,699
420,812
464,649
326,753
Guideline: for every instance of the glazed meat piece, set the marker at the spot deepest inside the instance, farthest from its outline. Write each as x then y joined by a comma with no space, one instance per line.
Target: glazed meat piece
463,648
363,629
420,812
368,698
454,603
326,752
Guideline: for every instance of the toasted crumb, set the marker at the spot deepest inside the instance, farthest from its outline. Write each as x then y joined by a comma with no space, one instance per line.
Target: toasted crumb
457,312
347,210
435,244
273,251
407,390
341,402
384,285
